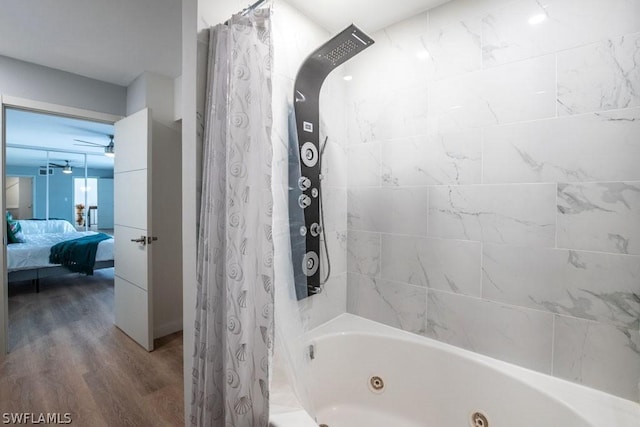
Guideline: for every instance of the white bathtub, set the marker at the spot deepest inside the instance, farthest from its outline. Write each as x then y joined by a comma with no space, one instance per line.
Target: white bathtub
432,384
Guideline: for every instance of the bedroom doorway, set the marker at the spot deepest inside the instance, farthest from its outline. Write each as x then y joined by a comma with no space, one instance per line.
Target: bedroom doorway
147,290
50,164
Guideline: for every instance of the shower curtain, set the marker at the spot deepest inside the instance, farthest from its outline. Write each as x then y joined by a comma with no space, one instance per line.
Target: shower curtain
234,318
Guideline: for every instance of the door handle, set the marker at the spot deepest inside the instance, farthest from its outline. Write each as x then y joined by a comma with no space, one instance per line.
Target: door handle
142,240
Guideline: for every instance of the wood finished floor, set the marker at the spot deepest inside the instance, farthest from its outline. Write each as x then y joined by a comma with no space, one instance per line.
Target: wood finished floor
67,356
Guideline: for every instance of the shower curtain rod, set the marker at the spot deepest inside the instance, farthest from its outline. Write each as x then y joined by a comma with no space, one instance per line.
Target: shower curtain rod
251,7
248,9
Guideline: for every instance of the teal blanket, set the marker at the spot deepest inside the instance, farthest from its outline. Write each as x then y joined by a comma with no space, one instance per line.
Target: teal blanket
78,255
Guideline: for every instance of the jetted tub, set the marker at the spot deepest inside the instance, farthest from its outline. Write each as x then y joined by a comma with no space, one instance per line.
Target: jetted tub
364,373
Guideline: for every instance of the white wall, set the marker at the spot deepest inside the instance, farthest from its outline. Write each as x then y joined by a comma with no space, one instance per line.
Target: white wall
189,61
156,92
137,95
38,83
295,36
167,254
215,12
177,98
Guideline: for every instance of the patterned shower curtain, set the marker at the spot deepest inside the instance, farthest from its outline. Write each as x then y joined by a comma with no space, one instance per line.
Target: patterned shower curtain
234,319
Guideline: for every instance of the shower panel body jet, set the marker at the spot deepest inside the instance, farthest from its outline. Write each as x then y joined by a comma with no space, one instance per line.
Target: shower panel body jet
312,74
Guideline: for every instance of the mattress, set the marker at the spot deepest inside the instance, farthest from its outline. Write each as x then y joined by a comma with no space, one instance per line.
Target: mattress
31,226
34,253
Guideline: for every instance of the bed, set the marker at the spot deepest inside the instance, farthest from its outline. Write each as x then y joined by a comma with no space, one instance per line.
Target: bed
30,260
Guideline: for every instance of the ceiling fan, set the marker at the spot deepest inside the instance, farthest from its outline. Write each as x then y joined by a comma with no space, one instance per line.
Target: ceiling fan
66,168
109,149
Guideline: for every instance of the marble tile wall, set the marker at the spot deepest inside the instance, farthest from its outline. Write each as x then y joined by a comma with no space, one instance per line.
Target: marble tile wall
493,183
295,37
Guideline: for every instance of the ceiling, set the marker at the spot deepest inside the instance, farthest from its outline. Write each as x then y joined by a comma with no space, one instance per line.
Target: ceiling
110,40
117,40
368,15
26,128
113,41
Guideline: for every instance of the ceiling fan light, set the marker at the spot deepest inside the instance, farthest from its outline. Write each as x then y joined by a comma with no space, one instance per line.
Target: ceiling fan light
109,151
67,169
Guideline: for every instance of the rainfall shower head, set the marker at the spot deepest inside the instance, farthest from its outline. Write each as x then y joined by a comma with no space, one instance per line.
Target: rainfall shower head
344,46
335,52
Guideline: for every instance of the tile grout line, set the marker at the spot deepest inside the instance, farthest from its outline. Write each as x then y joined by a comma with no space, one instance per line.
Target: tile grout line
556,216
516,245
481,269
553,343
556,51
379,274
428,210
409,139
557,91
379,165
482,141
426,311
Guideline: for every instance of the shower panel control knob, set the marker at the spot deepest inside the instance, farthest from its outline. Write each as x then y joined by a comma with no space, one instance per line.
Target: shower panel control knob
303,231
304,201
315,229
310,263
304,183
314,192
309,154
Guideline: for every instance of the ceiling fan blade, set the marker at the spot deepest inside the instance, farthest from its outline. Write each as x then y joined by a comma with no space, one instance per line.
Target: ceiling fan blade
89,143
89,146
86,130
55,165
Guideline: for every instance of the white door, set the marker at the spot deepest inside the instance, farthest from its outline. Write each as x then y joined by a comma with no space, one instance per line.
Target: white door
25,188
132,223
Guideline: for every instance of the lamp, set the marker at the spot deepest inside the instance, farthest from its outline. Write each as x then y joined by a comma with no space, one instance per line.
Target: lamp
67,169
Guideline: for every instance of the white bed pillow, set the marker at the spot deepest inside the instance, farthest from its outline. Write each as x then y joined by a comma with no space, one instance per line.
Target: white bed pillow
30,226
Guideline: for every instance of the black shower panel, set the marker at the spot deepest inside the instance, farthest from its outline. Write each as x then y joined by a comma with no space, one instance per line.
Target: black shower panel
311,76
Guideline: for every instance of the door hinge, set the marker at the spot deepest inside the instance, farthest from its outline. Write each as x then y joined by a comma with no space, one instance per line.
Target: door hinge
151,239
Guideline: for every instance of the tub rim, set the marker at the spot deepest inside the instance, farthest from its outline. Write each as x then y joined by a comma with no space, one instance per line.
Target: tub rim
592,406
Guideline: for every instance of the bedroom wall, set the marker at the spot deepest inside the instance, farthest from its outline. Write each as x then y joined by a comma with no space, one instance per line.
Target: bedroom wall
60,190
38,83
